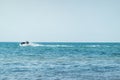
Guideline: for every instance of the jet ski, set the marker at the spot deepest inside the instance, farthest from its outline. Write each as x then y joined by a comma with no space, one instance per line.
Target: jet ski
25,43
28,44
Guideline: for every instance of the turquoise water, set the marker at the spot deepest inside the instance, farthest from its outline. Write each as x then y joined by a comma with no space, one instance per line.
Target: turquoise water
60,61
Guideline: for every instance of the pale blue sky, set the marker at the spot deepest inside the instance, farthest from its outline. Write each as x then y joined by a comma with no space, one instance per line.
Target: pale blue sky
60,20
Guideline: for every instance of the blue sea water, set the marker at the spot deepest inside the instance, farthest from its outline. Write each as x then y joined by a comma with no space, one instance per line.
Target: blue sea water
60,61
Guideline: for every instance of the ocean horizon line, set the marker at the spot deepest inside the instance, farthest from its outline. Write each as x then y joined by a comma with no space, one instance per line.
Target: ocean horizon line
65,41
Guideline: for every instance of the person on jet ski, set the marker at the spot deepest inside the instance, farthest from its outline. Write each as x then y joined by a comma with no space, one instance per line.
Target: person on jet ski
24,42
27,42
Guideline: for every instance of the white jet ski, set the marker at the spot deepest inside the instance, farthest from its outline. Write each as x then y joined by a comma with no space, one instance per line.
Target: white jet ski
28,44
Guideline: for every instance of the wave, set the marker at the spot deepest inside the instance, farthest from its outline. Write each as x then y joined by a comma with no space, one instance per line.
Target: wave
93,46
97,46
55,45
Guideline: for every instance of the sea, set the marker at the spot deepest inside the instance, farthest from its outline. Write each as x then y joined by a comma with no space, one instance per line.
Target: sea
60,61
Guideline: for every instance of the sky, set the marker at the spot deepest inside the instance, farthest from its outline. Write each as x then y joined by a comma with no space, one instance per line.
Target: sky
60,20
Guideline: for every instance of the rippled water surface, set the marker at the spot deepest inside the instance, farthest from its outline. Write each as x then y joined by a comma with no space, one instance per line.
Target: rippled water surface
60,61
